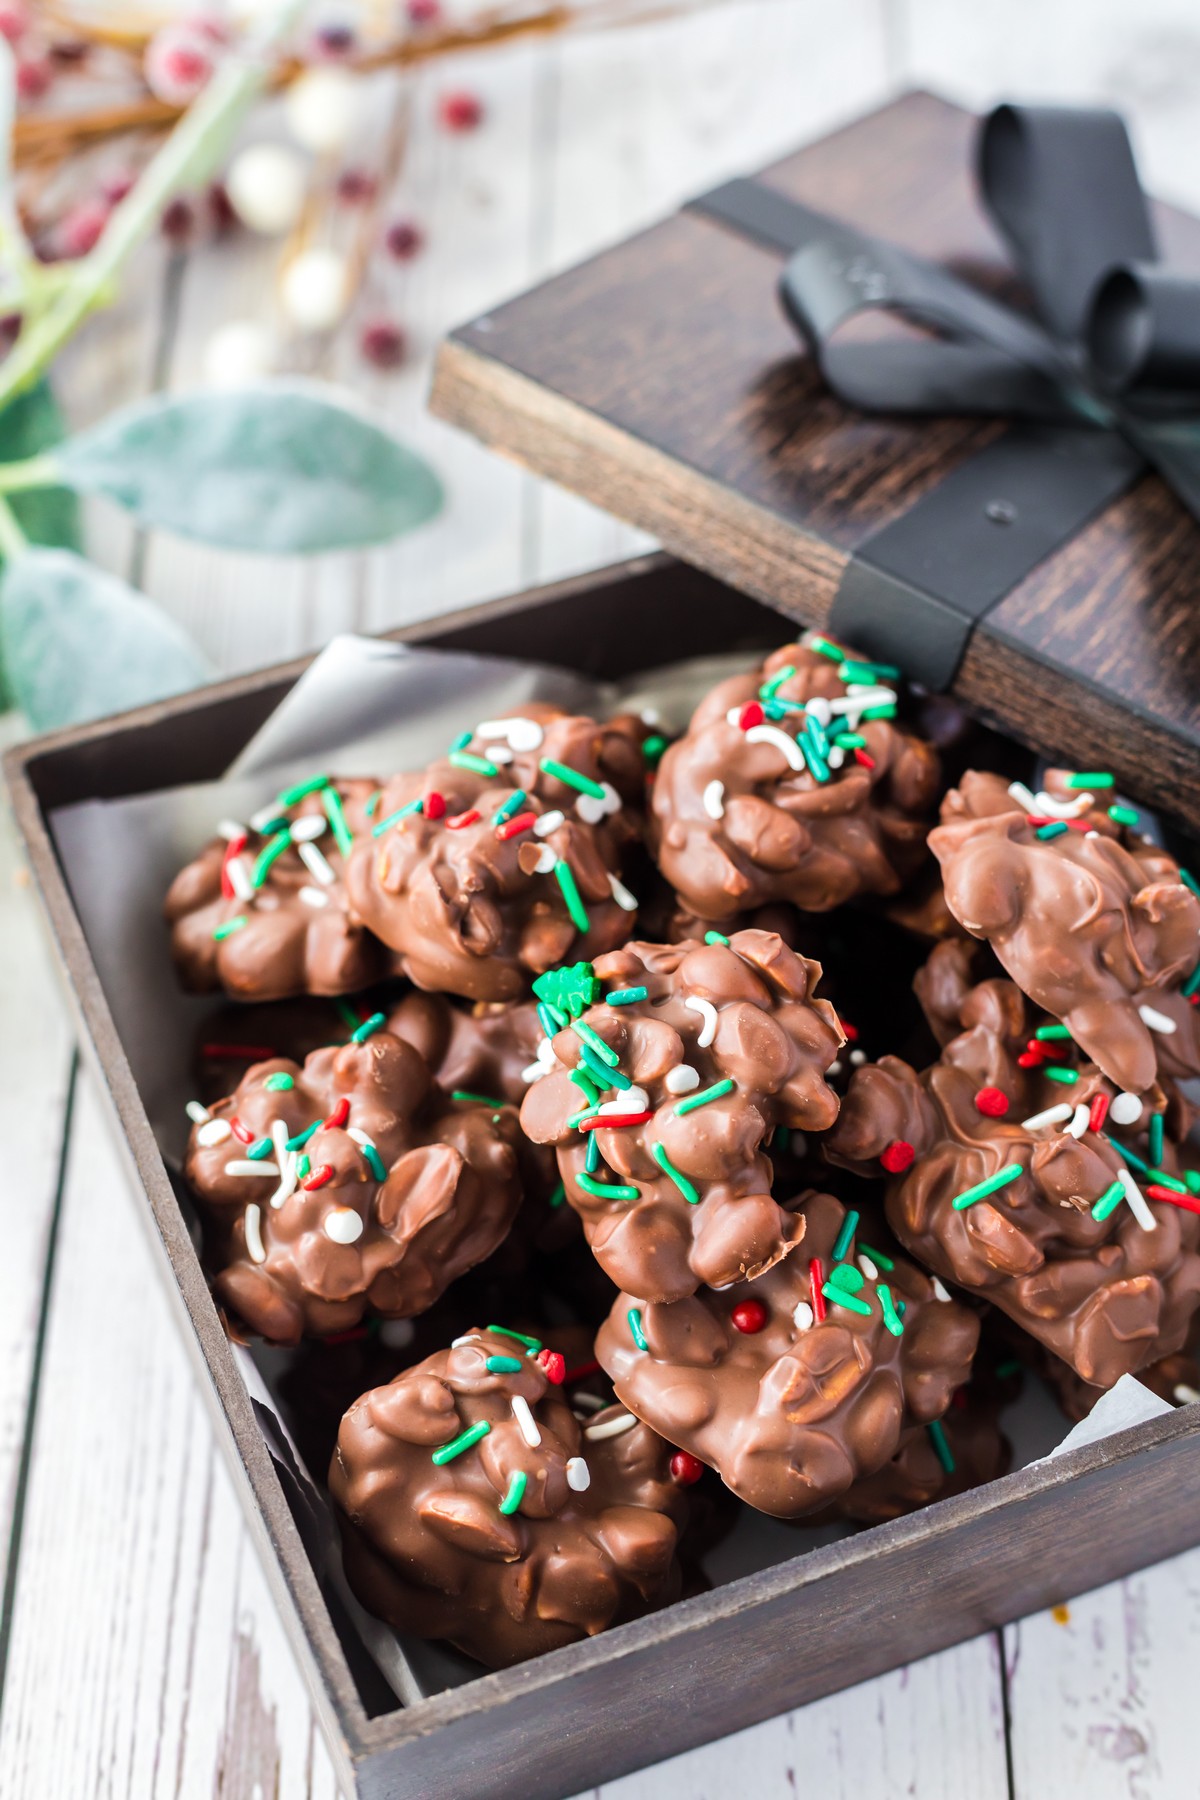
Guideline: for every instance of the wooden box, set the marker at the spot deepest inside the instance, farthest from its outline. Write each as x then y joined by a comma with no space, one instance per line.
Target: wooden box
742,1652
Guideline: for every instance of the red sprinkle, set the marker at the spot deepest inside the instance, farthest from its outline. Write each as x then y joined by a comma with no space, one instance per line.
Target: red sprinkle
1030,1059
555,1365
512,827
435,806
1189,1202
252,1052
1098,1113
897,1156
1072,824
461,819
338,1116
861,756
849,1032
749,1316
992,1102
233,848
816,1281
240,1132
603,1124
686,1468
578,1374
348,1337
751,715
320,1175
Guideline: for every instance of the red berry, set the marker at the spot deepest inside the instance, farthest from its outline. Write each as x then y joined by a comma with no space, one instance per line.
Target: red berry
383,344
80,230
14,20
751,715
179,61
114,187
898,1156
686,1468
435,806
460,110
992,1102
334,39
749,1316
554,1364
178,221
356,186
34,76
403,239
423,12
68,53
220,208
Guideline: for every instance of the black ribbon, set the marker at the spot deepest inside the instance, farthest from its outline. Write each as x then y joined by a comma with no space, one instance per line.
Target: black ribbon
1113,343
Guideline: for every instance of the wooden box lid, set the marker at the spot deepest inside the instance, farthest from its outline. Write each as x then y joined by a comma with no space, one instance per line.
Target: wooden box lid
662,381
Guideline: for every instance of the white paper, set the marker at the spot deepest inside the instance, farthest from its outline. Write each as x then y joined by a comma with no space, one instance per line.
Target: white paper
1130,1402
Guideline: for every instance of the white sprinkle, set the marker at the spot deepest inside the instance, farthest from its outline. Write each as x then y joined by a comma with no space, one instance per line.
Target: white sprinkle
621,894
1137,1201
589,1403
309,827
546,859
314,897
1024,799
732,717
519,734
1061,809
360,1137
1157,1021
214,1132
714,800
611,1427
1126,1109
253,1228
500,754
526,1421
629,1100
857,1058
1053,1115
468,1338
579,1478
199,1115
868,1267
590,810
939,1292
708,1013
681,1079
835,1068
547,1063
650,715
239,878
316,863
857,700
289,1162
818,708
835,756
771,734
870,694
549,822
1079,1122
248,1168
230,829
1185,1395
261,819
802,1318
397,1334
343,1225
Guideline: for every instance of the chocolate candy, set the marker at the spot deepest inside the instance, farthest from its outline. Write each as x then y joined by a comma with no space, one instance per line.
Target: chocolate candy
503,858
960,1451
478,1508
1090,920
665,1093
796,1385
1000,1183
793,782
351,1184
263,913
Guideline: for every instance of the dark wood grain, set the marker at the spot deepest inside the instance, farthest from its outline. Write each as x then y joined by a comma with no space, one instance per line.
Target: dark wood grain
661,381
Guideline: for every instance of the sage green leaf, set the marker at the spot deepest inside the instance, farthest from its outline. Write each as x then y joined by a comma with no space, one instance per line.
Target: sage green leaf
28,425
78,643
277,467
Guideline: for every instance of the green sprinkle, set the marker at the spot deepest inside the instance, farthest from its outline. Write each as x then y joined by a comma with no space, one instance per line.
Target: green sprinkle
301,1138
604,1190
840,1296
373,803
516,1491
1109,1201
1057,829
812,756
942,1450
368,1028
876,1256
653,746
1009,1367
1189,881
1192,1179
871,673
479,765
550,1019
782,1137
558,1196
1090,778
716,937
630,996
347,1014
845,1236
604,1076
583,784
303,1168
512,805
781,709
850,740
770,688
1161,1176
703,1097
982,1189
375,1161
471,1099
1192,983
519,1337
279,1083
269,855
604,1051
335,812
635,1328
587,1087
1056,1072
591,1156
879,712
1156,1137
891,1317
846,1275
587,1112
1131,1156
463,1441
1123,815
257,1152
503,1365
229,927
461,741
1046,1034
570,894
823,647
302,789
401,812
570,989
690,1194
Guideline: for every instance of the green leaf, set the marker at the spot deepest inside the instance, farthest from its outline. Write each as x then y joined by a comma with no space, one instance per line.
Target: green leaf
277,467
31,424
572,988
78,643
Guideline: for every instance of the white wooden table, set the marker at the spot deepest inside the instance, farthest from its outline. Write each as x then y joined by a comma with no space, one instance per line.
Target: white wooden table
139,1650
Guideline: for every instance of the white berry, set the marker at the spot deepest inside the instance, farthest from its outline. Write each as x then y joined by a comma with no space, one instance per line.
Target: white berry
320,109
266,185
239,352
315,290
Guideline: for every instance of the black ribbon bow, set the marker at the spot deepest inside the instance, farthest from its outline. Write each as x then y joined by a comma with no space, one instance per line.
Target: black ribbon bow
1115,343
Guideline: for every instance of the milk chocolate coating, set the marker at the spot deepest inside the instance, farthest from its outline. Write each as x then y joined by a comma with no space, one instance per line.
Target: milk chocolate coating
287,946
770,1037
427,1547
780,834
1107,1296
469,911
916,1476
1091,924
792,1414
449,1197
